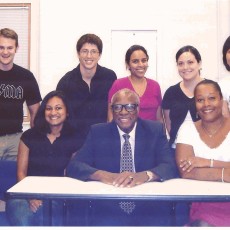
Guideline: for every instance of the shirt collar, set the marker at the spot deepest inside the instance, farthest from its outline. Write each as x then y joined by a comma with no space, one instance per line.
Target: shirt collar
131,134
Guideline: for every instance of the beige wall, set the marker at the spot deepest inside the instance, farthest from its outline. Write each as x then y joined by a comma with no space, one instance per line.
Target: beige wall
56,26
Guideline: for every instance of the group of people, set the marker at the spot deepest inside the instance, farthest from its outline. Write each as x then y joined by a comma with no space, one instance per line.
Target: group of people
92,124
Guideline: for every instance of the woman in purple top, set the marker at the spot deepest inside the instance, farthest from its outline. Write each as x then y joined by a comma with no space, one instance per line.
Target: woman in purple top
136,59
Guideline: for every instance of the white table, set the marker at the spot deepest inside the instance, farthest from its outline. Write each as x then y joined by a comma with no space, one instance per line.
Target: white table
69,188
50,188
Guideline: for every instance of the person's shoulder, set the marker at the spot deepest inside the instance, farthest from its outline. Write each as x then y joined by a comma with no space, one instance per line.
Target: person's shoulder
150,124
71,73
152,82
22,70
100,126
121,80
173,90
108,72
29,133
100,131
174,87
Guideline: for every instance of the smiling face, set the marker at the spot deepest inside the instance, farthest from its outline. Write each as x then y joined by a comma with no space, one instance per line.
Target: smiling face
188,67
208,102
89,56
55,112
124,119
138,63
8,50
228,57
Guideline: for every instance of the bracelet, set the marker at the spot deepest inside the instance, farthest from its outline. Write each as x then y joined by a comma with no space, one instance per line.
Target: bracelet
211,163
222,175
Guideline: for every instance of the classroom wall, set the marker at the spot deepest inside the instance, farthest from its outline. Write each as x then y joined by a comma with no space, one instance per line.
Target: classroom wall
202,23
56,26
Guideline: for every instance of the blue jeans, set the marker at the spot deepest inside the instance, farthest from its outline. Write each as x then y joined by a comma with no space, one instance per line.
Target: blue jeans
9,146
19,213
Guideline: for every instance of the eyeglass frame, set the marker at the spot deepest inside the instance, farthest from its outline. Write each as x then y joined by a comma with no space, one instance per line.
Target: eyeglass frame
124,106
85,52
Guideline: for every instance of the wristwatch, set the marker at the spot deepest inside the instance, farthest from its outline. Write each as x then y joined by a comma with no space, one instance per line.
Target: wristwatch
150,175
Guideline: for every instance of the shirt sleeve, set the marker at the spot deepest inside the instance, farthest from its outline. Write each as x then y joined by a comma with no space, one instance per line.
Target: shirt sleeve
33,95
159,96
185,133
167,99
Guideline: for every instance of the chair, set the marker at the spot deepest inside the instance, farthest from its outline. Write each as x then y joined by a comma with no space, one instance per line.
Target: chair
8,178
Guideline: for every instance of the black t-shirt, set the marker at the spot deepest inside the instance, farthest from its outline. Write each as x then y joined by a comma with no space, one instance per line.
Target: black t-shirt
179,104
46,159
16,86
88,106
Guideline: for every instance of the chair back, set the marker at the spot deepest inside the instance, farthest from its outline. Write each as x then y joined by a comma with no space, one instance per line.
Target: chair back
8,176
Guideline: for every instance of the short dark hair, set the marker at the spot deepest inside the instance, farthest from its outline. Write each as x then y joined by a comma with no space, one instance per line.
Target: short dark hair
40,122
209,82
226,47
190,49
132,49
89,38
9,33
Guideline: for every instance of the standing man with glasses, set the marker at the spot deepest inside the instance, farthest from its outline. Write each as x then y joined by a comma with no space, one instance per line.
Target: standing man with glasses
87,86
126,152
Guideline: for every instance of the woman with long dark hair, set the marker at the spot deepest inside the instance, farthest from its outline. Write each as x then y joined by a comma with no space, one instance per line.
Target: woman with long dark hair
225,82
44,150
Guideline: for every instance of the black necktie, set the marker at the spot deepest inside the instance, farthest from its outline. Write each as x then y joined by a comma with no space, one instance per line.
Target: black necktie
126,164
126,156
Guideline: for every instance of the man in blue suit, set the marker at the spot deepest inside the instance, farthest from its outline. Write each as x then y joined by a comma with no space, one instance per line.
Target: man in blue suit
100,160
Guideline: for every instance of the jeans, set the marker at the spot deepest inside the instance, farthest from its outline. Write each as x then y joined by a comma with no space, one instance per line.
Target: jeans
9,146
19,213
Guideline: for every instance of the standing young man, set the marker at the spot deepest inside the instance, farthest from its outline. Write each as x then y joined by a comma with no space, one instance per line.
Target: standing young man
17,85
87,86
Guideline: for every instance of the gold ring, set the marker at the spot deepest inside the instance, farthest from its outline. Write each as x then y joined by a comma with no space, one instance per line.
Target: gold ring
130,177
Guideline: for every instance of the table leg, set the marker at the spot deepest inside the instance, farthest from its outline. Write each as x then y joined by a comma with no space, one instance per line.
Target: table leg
47,213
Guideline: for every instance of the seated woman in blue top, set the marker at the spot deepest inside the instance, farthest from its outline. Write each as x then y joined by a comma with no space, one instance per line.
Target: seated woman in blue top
44,150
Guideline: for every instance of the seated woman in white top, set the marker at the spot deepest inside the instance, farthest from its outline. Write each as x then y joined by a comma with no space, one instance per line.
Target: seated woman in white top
202,152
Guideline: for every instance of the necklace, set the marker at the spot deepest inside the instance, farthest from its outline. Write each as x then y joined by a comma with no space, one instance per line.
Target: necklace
215,131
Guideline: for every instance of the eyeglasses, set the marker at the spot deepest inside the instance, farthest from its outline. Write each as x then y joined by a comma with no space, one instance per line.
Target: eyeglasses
86,52
117,108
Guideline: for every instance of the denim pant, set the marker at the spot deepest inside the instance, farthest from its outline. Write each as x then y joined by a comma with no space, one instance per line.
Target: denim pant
19,213
9,146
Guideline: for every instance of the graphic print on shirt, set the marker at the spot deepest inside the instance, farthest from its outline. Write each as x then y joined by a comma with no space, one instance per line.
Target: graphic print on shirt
10,91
